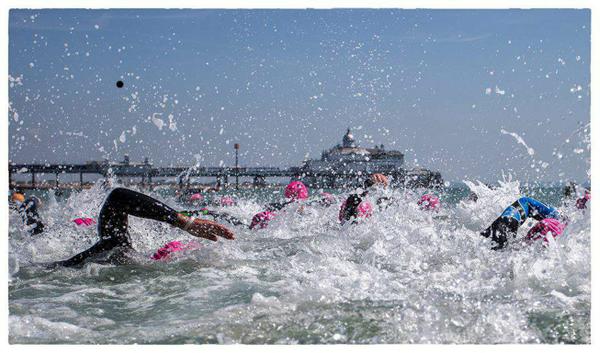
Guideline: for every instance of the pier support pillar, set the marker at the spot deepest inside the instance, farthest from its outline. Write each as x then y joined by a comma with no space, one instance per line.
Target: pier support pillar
80,179
33,180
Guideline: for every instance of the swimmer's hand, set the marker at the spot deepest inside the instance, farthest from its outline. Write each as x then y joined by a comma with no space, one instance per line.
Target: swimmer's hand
203,228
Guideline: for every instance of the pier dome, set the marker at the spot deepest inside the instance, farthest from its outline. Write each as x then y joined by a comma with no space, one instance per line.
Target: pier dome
348,140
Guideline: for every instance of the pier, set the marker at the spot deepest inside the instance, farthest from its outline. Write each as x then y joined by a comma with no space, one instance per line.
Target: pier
145,172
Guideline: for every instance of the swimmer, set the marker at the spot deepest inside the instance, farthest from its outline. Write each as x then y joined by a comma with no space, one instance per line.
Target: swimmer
215,215
514,216
227,201
543,230
261,219
570,189
28,209
429,202
166,252
196,199
472,197
581,202
356,207
113,225
325,199
294,192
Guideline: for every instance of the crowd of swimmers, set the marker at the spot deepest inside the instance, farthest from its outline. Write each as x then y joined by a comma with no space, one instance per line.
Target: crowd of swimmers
115,243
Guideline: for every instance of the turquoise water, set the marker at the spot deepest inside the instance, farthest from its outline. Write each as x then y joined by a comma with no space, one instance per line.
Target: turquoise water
401,276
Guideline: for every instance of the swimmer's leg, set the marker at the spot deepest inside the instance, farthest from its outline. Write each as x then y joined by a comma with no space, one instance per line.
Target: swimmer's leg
100,247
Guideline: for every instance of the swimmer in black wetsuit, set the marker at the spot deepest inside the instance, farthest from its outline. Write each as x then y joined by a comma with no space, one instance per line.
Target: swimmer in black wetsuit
351,209
113,222
231,219
28,209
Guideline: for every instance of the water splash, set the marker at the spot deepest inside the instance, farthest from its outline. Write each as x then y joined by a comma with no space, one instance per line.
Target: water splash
520,140
401,276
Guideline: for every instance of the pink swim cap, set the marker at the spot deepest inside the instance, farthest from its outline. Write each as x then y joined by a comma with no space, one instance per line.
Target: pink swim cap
296,190
164,253
196,197
582,202
429,202
545,226
227,201
365,210
84,221
327,199
262,219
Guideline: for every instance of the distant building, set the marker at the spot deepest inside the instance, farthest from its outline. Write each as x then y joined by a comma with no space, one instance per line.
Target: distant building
347,164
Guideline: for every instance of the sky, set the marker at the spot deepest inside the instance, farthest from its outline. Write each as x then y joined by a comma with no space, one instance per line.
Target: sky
474,94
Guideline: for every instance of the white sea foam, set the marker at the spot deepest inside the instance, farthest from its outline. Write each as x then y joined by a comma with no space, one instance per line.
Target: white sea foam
402,276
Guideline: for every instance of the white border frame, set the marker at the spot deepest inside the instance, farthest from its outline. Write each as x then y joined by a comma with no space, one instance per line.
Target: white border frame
256,4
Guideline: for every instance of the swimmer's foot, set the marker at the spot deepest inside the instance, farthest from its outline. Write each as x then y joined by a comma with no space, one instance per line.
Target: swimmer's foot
203,228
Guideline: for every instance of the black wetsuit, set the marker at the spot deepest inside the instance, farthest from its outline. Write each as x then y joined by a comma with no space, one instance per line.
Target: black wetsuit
500,230
276,206
223,216
113,221
216,216
350,211
29,212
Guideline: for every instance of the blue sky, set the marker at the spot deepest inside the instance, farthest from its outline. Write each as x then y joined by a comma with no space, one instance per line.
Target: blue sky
439,85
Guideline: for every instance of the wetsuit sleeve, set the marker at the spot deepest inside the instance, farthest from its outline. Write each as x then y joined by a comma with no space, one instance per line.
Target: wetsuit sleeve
216,215
227,218
126,201
538,210
276,206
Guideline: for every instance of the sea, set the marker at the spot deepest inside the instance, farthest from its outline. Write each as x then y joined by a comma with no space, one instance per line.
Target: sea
403,275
